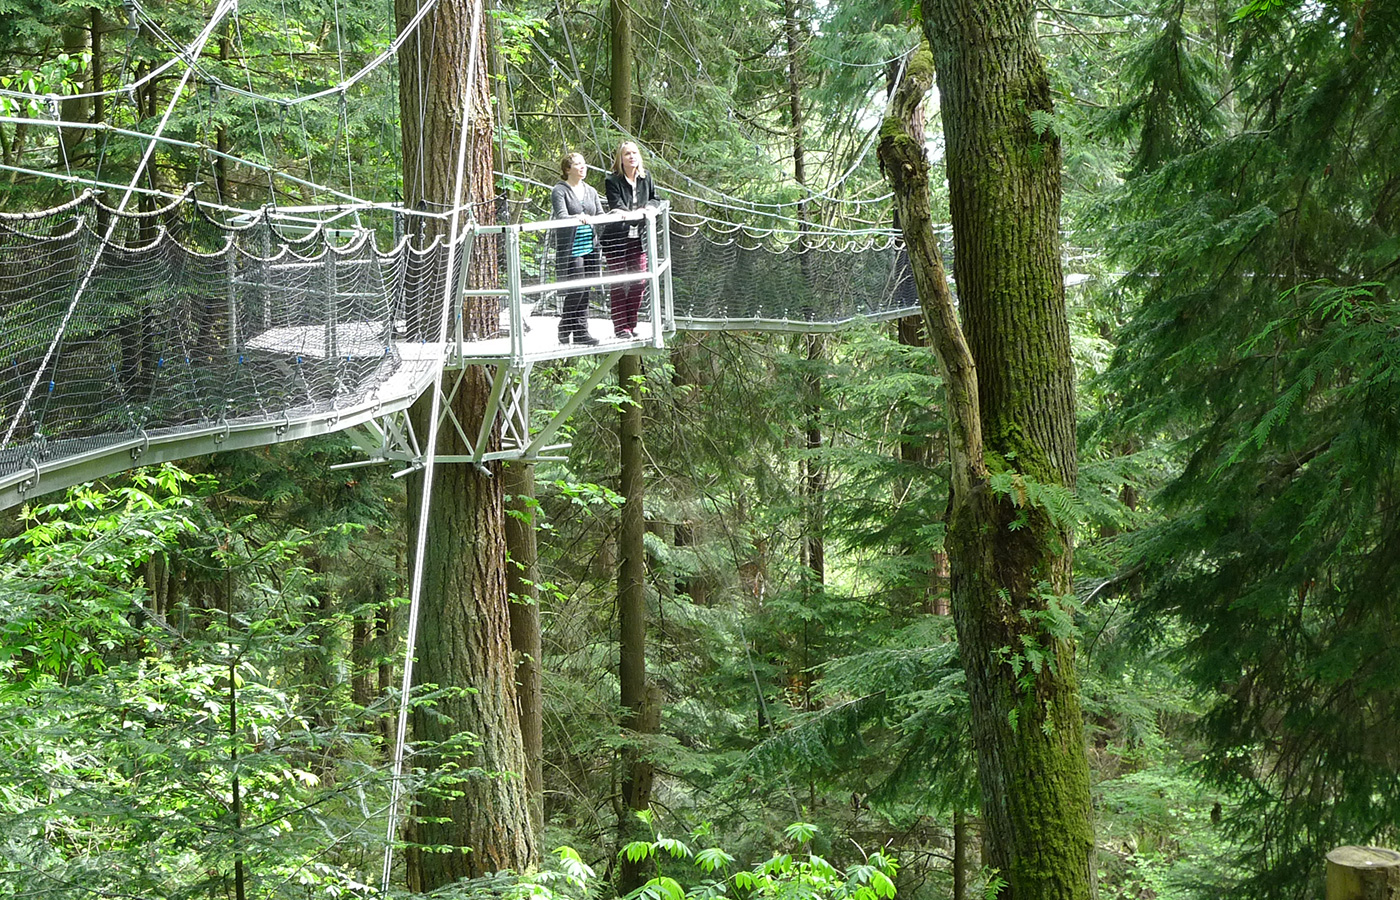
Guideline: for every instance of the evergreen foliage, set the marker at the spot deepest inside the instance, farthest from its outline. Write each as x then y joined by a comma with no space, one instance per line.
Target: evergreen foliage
1259,229
1236,627
155,753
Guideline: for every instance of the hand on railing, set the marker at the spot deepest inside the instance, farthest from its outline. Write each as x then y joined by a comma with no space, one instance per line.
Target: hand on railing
647,212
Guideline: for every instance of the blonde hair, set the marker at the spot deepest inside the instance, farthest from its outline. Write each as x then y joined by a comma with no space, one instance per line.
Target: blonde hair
617,158
566,162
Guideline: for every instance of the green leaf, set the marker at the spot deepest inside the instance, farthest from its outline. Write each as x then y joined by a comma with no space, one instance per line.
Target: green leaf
801,832
712,858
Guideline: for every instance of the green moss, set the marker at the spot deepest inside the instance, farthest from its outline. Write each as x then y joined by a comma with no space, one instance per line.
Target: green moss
920,66
892,129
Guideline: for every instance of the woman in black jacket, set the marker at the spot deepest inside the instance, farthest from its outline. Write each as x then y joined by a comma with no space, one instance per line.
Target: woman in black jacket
628,187
576,247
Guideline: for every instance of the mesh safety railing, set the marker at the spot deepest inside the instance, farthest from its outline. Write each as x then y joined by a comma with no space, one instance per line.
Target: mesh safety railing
149,325
114,325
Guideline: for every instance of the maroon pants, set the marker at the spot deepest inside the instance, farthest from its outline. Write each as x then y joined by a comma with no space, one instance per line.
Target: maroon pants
627,298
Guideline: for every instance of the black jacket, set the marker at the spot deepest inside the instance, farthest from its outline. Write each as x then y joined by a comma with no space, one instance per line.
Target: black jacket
622,196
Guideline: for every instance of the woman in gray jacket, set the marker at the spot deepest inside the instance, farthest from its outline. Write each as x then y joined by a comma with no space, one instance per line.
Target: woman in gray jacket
576,252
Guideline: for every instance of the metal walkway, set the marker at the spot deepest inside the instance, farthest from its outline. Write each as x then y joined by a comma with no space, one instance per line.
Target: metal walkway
171,342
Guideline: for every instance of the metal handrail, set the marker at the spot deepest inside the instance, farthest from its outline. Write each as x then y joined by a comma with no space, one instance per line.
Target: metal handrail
514,291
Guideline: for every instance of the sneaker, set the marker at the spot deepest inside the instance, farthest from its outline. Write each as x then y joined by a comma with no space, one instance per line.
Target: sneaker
586,339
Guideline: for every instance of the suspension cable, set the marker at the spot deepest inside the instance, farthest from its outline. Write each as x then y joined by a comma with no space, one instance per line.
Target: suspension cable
223,9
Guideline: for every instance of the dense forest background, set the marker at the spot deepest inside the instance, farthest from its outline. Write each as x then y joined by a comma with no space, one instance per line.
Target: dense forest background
200,665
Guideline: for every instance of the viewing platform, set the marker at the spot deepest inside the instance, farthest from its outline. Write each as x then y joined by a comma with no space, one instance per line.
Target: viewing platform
528,295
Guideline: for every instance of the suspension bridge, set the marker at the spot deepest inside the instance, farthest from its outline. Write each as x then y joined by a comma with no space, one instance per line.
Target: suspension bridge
136,338
193,326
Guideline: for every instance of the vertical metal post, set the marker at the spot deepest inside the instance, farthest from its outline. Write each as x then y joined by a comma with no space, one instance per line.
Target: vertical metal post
265,281
669,304
459,289
653,262
517,316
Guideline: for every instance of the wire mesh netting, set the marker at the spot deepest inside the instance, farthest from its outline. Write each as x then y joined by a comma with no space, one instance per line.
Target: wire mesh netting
751,281
727,283
117,325
114,325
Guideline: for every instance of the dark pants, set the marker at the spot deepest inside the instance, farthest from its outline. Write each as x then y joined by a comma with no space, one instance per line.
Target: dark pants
573,318
627,255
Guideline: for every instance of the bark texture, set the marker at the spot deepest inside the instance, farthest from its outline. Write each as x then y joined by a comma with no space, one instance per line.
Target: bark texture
637,773
522,581
1011,409
477,820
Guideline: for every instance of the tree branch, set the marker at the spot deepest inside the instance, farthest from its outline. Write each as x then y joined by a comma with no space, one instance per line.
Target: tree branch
905,164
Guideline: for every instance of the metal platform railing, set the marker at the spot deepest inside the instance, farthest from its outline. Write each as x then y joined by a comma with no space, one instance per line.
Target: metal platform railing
527,291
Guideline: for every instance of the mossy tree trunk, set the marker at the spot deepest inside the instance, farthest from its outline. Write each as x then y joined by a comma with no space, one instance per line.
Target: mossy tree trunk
478,821
1011,416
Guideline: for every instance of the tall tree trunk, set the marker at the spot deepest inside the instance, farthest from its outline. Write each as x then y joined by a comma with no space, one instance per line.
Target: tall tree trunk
1011,408
221,143
813,472
522,581
792,33
922,451
464,620
631,574
98,69
813,487
620,21
74,109
632,621
959,855
383,627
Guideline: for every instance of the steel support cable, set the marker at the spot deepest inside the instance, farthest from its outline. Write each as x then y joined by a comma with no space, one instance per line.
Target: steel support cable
728,201
341,87
296,87
450,296
124,91
344,108
746,205
121,70
56,112
205,128
598,147
222,9
727,226
272,172
862,65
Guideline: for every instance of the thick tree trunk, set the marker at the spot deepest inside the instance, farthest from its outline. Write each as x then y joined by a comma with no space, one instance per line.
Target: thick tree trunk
522,581
464,623
631,574
1010,388
637,772
464,643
